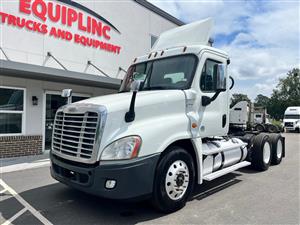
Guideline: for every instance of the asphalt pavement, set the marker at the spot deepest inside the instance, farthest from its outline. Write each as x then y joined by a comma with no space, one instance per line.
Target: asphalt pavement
31,196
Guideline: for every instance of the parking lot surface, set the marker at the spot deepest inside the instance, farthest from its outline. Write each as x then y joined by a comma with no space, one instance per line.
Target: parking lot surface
243,197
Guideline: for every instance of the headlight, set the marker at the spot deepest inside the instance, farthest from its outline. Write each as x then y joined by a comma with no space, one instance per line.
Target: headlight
124,148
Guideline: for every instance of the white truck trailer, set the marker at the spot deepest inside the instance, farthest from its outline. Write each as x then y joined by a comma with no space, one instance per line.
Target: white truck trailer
291,119
164,132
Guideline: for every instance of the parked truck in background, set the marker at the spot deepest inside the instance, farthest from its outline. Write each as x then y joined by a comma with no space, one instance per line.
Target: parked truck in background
291,120
245,116
164,132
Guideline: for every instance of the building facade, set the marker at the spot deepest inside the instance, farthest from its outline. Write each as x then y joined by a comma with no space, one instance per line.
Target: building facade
47,46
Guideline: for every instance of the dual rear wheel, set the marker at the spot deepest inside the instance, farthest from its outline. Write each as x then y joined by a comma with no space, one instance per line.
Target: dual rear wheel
267,149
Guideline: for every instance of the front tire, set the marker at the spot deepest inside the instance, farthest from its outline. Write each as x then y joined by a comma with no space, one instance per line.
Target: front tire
262,153
174,180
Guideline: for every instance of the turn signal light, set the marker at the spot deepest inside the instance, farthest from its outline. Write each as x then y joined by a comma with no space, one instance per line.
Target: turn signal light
194,125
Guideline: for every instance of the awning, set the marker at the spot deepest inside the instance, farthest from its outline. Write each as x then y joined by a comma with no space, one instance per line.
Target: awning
29,71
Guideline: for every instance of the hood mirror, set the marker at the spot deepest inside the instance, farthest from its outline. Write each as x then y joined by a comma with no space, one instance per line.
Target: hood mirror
67,93
135,85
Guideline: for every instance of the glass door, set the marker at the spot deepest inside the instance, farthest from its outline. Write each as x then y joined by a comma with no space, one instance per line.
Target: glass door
53,102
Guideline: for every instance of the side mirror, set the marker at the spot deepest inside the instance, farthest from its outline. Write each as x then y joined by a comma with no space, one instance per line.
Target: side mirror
221,77
135,85
67,93
220,84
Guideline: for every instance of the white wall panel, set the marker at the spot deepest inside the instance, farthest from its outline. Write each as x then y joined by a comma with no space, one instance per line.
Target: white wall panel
134,21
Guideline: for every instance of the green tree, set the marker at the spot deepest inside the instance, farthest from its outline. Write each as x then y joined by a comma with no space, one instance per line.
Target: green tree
261,100
235,98
287,93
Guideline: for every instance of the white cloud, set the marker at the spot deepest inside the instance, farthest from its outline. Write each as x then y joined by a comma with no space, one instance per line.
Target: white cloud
262,38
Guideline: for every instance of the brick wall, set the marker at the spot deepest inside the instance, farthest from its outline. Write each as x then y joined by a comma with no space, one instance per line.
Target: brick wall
14,146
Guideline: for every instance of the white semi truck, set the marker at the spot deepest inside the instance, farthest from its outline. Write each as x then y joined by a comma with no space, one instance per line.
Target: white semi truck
291,120
164,132
244,116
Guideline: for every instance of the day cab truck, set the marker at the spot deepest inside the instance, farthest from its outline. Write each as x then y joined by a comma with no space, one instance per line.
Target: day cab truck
164,132
244,116
291,119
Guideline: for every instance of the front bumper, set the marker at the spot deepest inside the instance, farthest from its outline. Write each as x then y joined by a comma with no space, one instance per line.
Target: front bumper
291,128
134,178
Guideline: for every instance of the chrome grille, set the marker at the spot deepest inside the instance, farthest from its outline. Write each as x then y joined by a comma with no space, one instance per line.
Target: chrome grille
74,134
288,124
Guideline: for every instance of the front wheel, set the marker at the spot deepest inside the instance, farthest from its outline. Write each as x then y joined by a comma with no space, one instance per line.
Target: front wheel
174,180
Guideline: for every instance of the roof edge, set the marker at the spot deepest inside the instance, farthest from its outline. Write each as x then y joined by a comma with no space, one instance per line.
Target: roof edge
160,12
31,71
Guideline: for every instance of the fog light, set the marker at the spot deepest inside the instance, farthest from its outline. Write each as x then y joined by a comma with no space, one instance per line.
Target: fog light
110,184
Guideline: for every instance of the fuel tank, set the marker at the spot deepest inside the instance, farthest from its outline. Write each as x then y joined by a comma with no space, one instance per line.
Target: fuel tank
221,153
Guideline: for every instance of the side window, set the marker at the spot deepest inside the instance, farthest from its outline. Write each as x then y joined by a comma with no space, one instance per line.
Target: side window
208,76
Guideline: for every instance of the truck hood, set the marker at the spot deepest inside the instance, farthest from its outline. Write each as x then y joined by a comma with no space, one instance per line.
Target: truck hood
156,112
121,101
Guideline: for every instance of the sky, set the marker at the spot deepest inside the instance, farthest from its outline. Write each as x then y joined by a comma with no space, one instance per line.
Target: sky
261,37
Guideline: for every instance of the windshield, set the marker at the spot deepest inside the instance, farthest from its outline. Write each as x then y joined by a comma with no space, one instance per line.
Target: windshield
168,73
292,116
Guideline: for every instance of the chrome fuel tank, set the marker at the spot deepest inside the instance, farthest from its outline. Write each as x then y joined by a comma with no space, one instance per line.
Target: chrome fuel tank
221,153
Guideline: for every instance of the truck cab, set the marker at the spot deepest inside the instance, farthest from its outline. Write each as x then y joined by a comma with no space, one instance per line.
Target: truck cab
166,129
291,119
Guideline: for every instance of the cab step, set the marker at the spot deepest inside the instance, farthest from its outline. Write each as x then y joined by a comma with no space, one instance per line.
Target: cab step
226,170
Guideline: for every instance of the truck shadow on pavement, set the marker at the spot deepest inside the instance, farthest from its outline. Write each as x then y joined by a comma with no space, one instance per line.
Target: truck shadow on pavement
63,205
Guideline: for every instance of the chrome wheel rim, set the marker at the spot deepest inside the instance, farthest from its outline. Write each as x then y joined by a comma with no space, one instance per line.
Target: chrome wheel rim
279,149
266,152
177,180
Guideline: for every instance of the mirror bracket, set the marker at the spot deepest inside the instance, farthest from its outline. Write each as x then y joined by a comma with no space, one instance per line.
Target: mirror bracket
130,115
232,82
207,100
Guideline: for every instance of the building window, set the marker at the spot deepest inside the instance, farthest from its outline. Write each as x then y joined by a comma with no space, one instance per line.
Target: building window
11,110
209,76
153,40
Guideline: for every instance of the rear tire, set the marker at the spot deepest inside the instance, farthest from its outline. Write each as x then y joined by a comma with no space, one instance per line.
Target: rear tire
174,180
277,148
272,128
259,127
261,154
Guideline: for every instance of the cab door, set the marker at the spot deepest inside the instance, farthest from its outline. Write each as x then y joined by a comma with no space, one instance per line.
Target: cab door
213,119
